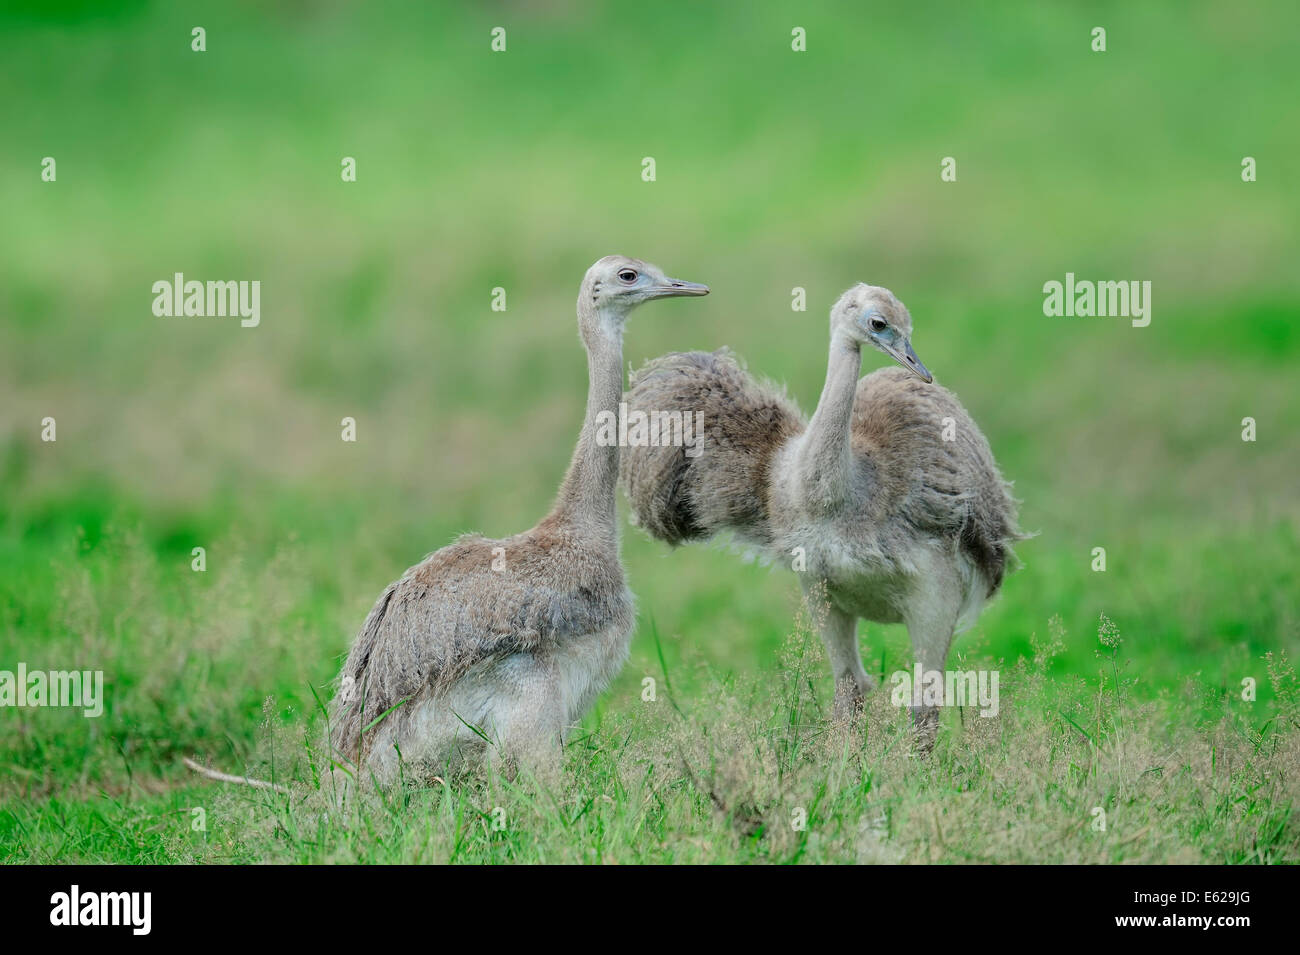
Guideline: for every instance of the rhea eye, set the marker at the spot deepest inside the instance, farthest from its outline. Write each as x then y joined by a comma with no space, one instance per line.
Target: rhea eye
627,275
878,324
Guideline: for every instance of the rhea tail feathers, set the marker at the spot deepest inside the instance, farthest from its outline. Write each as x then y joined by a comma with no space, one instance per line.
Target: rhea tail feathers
678,498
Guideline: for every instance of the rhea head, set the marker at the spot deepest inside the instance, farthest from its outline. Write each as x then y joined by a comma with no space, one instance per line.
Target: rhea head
871,314
617,284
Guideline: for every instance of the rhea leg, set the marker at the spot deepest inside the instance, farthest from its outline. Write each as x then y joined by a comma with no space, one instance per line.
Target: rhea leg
931,620
839,633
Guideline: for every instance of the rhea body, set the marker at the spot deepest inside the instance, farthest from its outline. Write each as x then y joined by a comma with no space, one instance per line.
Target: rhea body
887,501
501,645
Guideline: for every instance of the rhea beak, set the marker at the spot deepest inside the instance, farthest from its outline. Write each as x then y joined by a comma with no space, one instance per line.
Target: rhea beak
676,287
913,364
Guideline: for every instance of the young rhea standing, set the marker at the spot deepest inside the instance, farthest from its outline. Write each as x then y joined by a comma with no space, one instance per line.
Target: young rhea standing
888,502
502,644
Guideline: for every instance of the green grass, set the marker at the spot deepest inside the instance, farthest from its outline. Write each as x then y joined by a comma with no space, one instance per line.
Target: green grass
775,170
1073,770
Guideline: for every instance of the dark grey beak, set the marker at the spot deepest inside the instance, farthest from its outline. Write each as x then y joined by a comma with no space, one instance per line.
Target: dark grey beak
676,287
913,364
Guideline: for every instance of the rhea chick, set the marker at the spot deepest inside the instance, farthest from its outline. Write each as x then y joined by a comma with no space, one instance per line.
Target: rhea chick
499,646
888,502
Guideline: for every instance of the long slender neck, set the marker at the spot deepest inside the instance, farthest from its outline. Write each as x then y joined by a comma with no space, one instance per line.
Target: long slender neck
825,460
586,497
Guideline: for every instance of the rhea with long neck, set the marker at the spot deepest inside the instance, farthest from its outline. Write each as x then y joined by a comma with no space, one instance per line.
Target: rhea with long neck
865,313
610,290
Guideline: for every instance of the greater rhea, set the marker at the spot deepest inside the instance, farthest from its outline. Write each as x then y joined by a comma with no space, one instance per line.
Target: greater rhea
888,499
500,645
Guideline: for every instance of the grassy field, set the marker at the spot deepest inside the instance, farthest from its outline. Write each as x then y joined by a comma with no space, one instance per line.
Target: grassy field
775,169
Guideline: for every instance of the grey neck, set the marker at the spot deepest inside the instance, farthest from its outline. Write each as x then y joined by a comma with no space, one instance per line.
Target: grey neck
826,460
586,497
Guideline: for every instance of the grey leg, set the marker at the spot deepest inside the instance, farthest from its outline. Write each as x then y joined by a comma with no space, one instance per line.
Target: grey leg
930,626
839,633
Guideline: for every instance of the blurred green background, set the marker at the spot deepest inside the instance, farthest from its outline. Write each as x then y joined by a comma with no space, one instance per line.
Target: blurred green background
476,169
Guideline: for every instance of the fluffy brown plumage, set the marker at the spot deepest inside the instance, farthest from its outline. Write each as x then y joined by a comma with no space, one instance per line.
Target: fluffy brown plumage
453,612
947,488
678,498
